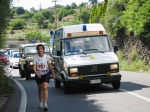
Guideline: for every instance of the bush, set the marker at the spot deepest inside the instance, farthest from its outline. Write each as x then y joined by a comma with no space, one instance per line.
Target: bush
17,24
37,36
6,84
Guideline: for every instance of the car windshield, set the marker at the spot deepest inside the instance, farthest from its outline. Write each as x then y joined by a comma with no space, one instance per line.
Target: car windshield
86,45
32,49
16,55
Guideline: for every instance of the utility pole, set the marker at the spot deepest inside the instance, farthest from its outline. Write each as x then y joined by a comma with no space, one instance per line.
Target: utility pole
55,13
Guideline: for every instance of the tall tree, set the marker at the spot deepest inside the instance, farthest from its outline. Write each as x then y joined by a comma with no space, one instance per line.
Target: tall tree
93,1
4,13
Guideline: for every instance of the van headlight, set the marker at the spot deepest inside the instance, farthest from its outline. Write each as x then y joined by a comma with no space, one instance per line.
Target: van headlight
73,70
31,63
114,66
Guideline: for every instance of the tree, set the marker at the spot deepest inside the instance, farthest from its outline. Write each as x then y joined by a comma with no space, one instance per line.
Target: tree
94,18
84,15
4,13
37,36
20,10
46,13
28,15
39,18
82,4
93,1
73,5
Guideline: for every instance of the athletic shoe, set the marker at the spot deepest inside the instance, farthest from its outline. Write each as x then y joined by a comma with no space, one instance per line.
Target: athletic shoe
45,107
41,105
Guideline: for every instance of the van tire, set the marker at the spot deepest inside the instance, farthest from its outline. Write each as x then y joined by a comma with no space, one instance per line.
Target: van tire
116,85
57,83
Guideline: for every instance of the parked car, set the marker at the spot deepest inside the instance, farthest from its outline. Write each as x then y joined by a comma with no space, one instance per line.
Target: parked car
14,59
3,57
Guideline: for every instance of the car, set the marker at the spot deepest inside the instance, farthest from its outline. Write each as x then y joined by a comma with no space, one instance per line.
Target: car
3,57
27,51
14,60
11,51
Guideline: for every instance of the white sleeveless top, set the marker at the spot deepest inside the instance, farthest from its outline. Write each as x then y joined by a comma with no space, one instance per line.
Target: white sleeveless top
41,64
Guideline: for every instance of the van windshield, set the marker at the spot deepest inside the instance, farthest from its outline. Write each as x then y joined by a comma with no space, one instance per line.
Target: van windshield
86,45
32,49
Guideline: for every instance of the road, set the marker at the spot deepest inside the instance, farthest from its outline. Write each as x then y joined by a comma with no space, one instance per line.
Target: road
133,96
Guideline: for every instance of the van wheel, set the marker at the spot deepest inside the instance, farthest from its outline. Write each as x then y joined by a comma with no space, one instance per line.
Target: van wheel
57,83
28,76
65,87
116,84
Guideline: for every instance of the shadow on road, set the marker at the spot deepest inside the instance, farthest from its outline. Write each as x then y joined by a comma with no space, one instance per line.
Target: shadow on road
130,86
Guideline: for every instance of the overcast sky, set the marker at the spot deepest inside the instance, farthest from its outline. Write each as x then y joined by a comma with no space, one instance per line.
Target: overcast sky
27,4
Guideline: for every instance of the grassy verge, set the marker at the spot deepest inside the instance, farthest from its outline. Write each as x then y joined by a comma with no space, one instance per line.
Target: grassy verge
6,84
21,33
132,62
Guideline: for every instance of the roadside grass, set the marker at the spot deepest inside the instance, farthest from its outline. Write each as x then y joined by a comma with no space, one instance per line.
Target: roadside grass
22,33
132,62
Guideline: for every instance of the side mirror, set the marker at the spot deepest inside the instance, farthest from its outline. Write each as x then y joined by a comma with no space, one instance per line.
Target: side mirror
58,53
115,48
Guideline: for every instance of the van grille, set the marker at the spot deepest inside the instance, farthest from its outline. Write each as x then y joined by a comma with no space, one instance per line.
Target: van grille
94,69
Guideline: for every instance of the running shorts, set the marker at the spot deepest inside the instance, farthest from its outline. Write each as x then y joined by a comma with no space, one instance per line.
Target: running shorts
44,78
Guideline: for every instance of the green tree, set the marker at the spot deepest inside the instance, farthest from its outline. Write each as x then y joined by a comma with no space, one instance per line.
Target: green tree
82,4
73,5
47,14
37,36
84,15
20,10
93,1
4,13
94,18
39,18
137,23
68,7
28,15
17,24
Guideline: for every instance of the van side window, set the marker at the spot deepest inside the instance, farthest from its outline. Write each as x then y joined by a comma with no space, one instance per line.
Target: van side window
59,34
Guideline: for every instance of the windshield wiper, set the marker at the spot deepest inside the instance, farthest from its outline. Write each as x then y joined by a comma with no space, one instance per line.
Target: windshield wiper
94,50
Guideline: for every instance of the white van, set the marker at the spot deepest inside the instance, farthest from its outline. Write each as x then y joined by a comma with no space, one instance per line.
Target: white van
83,54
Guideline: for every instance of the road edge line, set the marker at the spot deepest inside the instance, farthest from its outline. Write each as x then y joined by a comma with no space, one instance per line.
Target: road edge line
23,103
134,94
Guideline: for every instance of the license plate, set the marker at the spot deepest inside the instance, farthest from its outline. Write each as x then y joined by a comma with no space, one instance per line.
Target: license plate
95,81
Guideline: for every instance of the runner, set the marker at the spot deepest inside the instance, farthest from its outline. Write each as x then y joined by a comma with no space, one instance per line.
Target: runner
41,67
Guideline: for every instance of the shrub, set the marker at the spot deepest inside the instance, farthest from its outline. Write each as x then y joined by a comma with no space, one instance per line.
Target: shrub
17,24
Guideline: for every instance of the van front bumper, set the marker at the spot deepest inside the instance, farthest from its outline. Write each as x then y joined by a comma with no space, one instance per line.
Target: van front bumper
87,80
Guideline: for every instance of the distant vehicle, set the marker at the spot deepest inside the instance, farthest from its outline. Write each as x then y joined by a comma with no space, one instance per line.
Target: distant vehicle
27,51
3,57
5,51
10,52
14,59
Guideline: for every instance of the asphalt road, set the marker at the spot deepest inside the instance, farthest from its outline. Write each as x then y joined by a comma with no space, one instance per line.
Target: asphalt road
133,96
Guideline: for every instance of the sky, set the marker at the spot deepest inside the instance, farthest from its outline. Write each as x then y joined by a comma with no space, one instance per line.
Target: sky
27,4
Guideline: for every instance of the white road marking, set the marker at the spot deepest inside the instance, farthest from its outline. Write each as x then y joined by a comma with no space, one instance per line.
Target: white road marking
134,94
23,97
